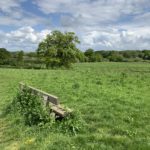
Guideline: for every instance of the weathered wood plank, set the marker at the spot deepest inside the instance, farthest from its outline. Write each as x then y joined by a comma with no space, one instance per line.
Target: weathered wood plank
58,111
48,97
49,100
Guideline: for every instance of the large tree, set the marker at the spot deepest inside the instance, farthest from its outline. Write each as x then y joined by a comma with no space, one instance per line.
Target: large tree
59,49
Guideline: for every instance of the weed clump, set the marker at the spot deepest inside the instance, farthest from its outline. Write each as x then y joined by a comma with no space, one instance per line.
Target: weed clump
31,107
73,123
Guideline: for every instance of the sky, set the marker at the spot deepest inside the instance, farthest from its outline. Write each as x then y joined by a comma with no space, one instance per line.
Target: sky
99,24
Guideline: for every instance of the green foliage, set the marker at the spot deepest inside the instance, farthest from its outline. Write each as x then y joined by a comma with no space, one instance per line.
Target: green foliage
146,54
89,53
20,57
4,56
61,56
116,57
73,123
125,55
98,57
59,49
31,108
92,56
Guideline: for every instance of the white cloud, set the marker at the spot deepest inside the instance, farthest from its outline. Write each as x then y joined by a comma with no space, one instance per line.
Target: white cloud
133,38
110,38
23,38
23,19
12,14
94,10
8,5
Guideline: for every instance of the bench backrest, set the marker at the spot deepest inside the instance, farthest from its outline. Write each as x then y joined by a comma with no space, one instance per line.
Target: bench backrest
46,96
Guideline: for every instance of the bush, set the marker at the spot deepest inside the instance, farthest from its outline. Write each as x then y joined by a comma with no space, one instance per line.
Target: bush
31,108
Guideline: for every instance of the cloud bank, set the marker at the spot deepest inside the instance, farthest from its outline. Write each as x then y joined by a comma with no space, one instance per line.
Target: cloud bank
99,24
24,37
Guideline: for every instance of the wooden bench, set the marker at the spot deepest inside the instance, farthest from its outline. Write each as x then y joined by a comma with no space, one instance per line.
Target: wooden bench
49,100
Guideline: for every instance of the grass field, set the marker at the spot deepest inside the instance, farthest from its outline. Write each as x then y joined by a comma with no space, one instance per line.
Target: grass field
113,98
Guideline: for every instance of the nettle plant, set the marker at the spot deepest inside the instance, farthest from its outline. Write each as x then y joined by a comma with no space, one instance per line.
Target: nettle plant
31,107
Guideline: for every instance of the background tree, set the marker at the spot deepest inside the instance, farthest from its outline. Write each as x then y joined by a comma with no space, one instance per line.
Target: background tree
146,54
89,53
92,56
4,56
98,57
115,56
19,58
59,49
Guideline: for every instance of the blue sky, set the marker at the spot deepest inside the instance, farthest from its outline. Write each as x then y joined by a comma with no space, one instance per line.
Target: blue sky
99,24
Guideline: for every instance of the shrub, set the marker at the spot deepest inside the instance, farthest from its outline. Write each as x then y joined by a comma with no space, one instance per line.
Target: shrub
31,107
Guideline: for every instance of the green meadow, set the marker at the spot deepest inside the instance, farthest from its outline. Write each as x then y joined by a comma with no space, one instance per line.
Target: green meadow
113,99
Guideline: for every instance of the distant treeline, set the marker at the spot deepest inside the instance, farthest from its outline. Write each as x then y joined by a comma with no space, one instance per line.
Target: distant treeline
21,59
116,56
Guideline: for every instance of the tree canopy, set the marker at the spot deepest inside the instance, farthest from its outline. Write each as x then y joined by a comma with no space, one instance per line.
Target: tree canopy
4,54
92,56
59,49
